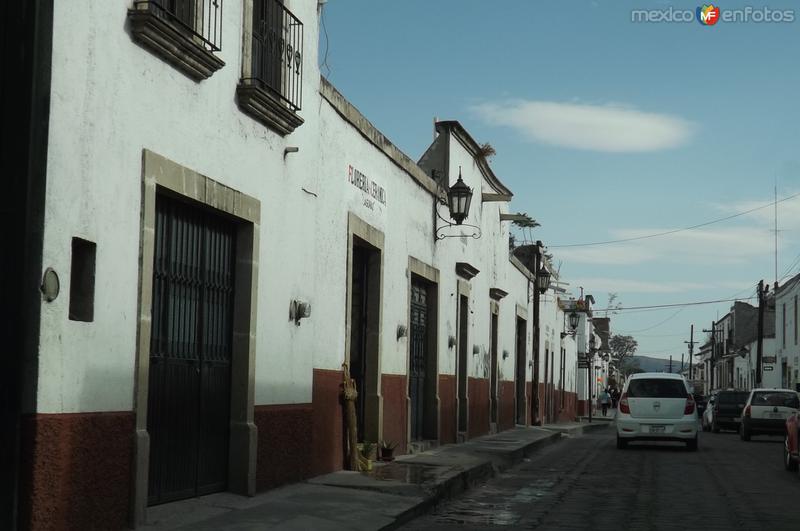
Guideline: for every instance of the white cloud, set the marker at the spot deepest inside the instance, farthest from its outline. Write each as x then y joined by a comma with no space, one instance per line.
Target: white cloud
612,127
624,285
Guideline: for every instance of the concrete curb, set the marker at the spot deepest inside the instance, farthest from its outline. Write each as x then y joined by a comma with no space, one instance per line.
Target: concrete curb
466,479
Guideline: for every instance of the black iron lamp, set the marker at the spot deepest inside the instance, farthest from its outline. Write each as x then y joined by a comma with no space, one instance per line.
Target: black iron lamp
543,279
573,321
573,325
592,343
458,199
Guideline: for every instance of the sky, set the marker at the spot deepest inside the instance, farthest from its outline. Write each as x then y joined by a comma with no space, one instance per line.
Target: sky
604,129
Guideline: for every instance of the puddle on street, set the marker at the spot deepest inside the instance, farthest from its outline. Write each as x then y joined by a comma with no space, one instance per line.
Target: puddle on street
479,514
412,474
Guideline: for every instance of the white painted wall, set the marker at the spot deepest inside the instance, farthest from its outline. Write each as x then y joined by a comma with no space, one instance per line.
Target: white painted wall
787,332
111,99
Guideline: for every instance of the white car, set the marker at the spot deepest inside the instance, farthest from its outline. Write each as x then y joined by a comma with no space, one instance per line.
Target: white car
657,407
766,412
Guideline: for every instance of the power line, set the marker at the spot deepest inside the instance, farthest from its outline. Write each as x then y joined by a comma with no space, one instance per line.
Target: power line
655,325
677,304
673,231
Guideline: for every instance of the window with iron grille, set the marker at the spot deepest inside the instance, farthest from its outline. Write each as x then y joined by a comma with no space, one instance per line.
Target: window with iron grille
277,60
272,78
185,33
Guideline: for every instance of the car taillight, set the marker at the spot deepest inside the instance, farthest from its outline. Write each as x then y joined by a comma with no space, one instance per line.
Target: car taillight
747,411
689,409
623,404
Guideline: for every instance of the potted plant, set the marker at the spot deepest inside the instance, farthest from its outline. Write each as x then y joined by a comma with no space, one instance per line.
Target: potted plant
367,454
387,450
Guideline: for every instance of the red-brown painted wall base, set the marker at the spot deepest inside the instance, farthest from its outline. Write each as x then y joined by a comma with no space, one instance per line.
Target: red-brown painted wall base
284,444
76,470
394,390
569,411
529,390
478,392
506,406
582,408
328,423
447,408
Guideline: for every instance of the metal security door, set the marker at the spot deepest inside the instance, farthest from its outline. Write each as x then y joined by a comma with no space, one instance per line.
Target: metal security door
190,352
419,339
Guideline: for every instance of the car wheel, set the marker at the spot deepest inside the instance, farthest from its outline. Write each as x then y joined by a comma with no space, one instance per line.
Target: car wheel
788,463
621,443
691,445
744,433
714,426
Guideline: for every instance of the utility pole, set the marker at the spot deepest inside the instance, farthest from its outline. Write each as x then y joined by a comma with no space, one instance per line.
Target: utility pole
670,363
691,352
762,302
537,264
713,353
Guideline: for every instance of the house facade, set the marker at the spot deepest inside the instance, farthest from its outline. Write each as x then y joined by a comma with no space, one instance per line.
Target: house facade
787,327
224,239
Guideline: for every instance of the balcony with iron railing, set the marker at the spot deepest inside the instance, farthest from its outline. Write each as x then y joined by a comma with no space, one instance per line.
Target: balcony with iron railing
271,88
185,33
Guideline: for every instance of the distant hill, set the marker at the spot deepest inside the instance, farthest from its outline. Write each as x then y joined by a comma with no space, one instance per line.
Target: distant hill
648,364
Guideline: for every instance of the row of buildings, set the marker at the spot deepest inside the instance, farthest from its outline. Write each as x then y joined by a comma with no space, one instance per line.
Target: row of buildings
208,237
729,356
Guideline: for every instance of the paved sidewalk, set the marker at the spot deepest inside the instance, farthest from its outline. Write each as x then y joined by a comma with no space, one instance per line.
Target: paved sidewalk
388,496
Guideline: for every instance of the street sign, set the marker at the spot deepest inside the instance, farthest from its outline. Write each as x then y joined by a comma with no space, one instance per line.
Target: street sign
583,364
768,367
769,359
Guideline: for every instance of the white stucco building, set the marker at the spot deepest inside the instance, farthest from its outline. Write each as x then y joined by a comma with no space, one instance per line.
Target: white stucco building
222,232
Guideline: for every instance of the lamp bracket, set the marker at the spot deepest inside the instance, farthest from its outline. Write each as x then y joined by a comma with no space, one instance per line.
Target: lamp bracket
441,235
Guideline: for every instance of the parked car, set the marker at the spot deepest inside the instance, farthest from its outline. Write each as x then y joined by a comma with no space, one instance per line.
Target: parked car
657,407
791,442
708,415
766,412
728,410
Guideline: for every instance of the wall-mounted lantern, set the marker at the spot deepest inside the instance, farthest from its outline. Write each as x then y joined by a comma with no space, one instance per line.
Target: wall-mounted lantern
299,310
402,331
458,199
451,342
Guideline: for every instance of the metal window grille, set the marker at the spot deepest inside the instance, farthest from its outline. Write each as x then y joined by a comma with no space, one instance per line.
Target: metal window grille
200,19
277,52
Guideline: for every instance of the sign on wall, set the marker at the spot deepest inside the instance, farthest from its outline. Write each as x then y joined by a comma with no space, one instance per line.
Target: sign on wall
373,192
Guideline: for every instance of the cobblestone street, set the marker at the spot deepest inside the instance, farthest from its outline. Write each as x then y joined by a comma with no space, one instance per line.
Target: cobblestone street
586,483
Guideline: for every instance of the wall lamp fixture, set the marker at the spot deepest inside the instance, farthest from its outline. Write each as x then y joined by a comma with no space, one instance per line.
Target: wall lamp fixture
299,310
457,198
573,326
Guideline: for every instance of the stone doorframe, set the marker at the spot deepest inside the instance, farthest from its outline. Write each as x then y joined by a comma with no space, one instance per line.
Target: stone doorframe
159,173
430,274
521,314
463,289
373,405
494,368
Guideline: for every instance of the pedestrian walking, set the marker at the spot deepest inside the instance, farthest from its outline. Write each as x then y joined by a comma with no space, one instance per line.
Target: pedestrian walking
605,399
614,398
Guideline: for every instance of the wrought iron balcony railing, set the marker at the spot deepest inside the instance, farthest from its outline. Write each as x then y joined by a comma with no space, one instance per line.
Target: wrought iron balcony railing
277,60
200,19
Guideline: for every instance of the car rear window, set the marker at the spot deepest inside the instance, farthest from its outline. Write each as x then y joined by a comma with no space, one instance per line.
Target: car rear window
776,398
656,388
733,398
